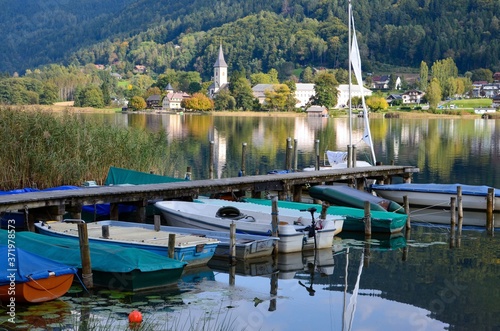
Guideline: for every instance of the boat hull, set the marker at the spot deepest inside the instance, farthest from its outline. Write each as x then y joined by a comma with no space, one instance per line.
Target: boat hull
381,221
198,215
40,290
438,197
194,253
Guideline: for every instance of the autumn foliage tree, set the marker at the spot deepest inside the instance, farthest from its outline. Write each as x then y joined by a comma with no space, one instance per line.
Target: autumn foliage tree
198,101
376,103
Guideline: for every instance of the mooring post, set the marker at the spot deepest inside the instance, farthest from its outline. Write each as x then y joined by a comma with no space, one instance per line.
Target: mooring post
368,220
406,204
316,149
295,155
290,158
489,211
211,160
171,245
324,209
105,231
460,210
274,221
157,222
232,243
349,156
452,221
354,156
83,237
243,158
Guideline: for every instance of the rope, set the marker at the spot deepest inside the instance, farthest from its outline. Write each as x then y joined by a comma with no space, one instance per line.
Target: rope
33,280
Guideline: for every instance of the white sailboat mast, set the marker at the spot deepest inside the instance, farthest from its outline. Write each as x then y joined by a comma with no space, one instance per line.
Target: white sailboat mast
349,148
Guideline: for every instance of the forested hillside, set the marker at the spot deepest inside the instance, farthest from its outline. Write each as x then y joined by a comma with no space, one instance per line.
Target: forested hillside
257,35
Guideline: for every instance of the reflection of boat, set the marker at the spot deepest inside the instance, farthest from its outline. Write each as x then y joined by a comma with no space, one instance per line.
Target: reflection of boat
320,260
191,248
382,221
112,267
262,266
32,278
343,195
378,241
438,195
214,214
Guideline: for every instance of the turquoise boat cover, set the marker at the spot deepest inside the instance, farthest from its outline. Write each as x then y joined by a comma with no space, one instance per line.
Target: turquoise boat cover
119,176
27,266
105,258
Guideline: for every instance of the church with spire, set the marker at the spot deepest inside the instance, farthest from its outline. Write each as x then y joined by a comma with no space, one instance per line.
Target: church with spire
220,75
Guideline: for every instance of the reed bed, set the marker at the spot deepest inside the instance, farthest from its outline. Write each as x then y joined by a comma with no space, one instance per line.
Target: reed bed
42,149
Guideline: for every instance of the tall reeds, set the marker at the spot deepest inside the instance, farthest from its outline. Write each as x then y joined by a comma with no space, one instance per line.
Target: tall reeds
43,149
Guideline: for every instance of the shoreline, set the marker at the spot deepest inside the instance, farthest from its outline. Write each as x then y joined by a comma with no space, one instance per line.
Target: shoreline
68,106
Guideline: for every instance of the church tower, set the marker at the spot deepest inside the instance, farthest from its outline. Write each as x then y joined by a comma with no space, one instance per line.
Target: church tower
220,71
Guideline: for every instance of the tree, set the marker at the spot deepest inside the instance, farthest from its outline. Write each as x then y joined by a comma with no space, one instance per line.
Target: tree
49,94
276,99
198,101
442,70
137,103
326,92
376,103
242,93
307,75
482,75
433,93
424,76
89,96
224,101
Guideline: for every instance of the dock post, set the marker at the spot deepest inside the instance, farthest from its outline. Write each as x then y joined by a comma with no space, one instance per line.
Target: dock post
295,155
243,158
489,210
406,204
113,211
105,231
232,243
324,209
287,154
274,222
83,236
157,222
349,156
211,160
452,221
353,153
460,210
171,245
368,220
289,151
316,149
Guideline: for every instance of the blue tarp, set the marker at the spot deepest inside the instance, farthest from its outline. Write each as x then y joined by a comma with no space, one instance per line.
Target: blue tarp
26,266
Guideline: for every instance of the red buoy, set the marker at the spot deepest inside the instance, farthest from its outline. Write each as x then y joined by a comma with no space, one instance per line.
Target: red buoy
135,317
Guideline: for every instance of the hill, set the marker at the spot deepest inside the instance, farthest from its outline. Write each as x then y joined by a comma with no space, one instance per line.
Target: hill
257,35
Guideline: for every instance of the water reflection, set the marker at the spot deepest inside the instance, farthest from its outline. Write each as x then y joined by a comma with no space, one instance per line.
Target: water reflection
446,150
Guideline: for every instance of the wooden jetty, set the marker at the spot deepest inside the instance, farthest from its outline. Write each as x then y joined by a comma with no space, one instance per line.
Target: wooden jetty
52,205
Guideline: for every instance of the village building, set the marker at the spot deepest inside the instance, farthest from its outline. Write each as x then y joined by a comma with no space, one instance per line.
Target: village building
173,100
412,97
220,75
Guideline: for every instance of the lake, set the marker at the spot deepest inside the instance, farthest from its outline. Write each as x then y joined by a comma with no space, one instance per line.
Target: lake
425,280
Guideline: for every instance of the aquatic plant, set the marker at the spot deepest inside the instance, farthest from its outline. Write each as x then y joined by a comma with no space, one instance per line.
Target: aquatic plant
44,149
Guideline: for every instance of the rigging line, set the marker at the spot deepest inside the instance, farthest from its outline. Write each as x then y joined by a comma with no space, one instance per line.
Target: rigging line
432,206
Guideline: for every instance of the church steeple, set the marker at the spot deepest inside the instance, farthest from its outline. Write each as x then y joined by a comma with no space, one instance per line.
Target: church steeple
220,70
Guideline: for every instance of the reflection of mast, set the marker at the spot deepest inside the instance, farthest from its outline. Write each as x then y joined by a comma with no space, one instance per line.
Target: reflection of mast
351,308
220,152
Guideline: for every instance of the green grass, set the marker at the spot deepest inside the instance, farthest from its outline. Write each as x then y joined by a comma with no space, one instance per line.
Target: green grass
471,103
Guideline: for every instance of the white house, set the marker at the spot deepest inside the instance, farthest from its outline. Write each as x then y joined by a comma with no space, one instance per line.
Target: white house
303,93
412,96
356,91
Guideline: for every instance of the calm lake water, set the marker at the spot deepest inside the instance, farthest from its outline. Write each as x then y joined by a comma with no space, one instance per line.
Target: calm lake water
427,280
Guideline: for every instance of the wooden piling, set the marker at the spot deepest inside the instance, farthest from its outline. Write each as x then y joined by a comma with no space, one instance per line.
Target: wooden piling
171,245
287,154
274,221
368,220
453,207
354,156
243,158
232,243
489,209
406,204
460,207
105,231
349,156
157,222
211,160
324,208
83,237
295,155
316,149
